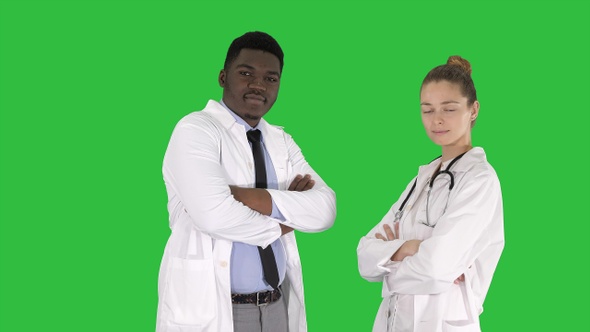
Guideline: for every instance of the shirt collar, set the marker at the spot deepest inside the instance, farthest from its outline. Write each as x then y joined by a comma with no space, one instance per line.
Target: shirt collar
239,120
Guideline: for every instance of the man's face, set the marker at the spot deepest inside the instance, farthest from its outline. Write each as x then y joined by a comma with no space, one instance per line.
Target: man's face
251,84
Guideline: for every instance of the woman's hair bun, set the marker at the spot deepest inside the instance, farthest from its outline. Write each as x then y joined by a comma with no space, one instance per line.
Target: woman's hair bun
456,60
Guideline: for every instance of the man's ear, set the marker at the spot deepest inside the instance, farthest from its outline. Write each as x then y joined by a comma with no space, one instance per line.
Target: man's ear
221,78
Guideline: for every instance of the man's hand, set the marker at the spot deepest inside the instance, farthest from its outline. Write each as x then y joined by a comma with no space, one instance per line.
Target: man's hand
254,197
259,199
285,229
301,183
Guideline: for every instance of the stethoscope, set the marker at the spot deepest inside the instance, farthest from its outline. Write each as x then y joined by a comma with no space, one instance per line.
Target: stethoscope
400,211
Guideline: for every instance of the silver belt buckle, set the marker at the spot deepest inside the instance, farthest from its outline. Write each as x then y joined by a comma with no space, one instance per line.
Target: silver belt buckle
258,300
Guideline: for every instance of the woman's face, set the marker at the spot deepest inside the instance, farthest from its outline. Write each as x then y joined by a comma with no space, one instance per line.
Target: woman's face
445,114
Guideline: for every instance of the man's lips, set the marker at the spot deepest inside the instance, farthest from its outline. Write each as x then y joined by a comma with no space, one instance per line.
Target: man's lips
256,97
440,132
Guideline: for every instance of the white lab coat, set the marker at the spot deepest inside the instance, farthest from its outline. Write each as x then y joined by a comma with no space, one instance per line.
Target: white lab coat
207,152
468,239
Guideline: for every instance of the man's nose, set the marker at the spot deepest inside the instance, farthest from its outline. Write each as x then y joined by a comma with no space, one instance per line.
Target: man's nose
257,84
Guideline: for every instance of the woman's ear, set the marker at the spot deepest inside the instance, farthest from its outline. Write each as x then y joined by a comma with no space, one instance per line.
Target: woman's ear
474,110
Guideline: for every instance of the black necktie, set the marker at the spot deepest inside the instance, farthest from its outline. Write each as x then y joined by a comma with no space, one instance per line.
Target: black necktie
267,256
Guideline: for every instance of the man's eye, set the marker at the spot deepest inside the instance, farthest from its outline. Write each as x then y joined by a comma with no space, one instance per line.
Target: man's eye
427,111
449,110
245,73
272,79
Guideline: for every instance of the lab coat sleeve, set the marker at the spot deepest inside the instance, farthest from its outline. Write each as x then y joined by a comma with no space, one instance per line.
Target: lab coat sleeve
308,211
374,255
193,170
461,235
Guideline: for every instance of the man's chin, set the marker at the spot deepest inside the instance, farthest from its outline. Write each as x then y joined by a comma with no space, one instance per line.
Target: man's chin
253,117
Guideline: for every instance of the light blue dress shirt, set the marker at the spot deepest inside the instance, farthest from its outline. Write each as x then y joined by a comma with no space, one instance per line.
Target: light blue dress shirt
246,269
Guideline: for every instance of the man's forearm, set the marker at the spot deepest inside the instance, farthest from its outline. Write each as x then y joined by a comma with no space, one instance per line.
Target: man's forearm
260,200
255,198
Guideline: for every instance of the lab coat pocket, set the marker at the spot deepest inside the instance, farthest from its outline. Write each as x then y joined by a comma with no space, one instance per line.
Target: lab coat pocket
190,294
460,326
458,317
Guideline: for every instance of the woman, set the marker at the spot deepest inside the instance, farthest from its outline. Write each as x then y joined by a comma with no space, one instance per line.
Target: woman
438,246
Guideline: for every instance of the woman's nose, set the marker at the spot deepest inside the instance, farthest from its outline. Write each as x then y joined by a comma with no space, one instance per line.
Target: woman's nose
438,118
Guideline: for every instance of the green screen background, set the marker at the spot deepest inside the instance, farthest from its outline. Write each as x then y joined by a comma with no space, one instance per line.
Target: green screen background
90,92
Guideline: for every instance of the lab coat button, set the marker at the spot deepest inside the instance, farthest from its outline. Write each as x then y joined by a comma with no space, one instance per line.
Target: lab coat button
223,264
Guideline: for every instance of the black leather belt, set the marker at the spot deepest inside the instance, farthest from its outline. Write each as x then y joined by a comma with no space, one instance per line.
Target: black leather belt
260,298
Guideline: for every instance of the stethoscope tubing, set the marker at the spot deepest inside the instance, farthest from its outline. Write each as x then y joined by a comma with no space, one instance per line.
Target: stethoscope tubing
400,211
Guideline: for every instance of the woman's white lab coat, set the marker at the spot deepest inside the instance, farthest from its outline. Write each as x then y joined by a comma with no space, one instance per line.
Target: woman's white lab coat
207,152
468,239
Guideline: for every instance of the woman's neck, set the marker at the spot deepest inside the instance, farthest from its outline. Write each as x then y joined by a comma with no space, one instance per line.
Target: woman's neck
450,152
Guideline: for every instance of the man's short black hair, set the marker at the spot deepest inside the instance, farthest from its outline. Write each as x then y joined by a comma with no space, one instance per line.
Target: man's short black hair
255,40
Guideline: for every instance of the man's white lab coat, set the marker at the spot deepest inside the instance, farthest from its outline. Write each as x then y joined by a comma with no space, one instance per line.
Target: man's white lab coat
209,151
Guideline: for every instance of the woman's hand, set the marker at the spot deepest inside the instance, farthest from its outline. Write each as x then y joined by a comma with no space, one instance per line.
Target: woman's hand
409,248
389,234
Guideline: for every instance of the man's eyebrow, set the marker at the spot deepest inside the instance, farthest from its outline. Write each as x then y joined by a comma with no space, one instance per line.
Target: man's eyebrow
246,66
270,72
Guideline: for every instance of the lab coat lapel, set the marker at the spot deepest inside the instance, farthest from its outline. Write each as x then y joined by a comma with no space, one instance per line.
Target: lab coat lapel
472,157
424,173
276,146
240,173
273,137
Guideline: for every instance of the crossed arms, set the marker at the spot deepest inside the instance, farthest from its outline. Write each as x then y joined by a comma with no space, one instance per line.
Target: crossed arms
469,228
199,185
409,248
260,200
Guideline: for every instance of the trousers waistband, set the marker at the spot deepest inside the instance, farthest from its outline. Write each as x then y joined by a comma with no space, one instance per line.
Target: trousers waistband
259,298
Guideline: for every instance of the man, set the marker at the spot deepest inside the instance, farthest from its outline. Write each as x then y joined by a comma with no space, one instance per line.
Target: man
237,188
